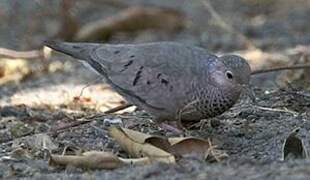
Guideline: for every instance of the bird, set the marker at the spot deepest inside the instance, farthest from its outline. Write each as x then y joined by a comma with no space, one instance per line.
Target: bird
169,80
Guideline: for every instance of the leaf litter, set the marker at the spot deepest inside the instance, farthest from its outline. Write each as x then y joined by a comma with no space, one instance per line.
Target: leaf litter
143,148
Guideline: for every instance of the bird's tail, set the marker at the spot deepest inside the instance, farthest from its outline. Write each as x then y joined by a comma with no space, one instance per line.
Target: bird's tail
77,50
81,51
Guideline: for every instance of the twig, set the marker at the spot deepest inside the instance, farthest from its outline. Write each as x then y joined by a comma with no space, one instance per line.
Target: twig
227,26
277,110
118,108
90,119
52,131
300,66
20,54
70,125
89,84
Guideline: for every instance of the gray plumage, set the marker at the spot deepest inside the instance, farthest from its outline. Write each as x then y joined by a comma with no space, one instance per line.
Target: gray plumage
168,80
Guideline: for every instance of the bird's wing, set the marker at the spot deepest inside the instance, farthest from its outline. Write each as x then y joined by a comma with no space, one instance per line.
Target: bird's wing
158,75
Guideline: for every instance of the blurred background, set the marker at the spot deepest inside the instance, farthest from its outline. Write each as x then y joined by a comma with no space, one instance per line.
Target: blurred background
269,24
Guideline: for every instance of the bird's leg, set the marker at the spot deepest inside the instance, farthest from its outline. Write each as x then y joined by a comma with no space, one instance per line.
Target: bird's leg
172,127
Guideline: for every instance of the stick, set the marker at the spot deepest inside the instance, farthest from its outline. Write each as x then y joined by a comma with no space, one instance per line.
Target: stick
277,110
118,108
20,54
299,66
70,125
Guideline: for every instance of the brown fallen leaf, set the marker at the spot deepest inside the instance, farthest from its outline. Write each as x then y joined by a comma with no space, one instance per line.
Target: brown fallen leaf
181,146
136,148
188,145
143,147
139,137
131,20
177,146
88,160
136,161
293,147
95,160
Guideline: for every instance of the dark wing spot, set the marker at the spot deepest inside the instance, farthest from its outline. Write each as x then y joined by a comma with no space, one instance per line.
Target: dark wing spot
148,82
129,63
164,81
171,88
126,65
75,47
116,52
138,75
98,67
132,56
132,94
158,75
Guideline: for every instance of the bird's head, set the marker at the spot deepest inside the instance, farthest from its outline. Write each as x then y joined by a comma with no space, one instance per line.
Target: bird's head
231,73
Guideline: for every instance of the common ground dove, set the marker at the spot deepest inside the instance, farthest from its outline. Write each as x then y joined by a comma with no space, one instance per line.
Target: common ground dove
169,80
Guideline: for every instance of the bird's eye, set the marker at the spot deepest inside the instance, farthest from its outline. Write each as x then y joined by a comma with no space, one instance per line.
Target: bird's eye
229,75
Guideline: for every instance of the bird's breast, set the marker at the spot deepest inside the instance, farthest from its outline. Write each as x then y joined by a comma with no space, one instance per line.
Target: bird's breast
213,102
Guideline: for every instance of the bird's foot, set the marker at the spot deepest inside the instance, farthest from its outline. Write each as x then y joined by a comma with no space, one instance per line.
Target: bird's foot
171,127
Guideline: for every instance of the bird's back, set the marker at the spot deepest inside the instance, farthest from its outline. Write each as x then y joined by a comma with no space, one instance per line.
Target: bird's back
158,77
161,77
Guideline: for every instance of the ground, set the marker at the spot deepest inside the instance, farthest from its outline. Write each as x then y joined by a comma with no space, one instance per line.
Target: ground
47,100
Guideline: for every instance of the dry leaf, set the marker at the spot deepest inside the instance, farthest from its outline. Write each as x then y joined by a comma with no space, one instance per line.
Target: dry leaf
178,146
293,147
188,145
96,160
89,160
145,148
136,161
133,144
137,136
131,20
